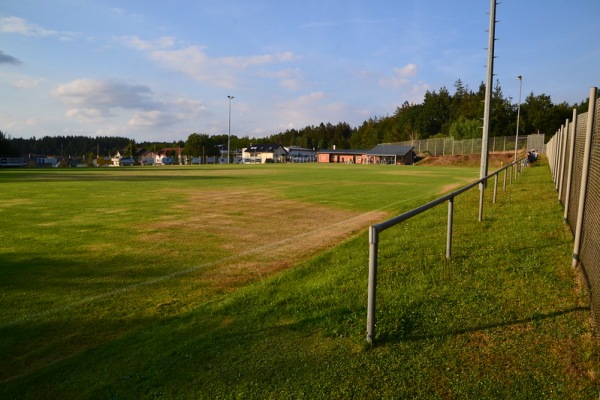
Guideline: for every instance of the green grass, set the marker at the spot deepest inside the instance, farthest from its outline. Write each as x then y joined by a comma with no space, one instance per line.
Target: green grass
104,297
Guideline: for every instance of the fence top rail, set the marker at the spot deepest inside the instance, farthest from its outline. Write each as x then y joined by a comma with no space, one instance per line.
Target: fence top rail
382,226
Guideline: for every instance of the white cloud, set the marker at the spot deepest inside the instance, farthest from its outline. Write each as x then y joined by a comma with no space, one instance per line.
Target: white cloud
310,98
188,109
242,62
104,95
407,70
194,61
86,114
289,78
22,27
20,81
146,45
92,101
27,83
147,119
303,110
400,78
403,79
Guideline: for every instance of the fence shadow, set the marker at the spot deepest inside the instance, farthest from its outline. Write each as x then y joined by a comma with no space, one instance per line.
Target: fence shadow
408,337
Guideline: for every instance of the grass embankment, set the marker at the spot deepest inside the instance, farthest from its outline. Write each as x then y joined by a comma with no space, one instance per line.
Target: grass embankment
505,319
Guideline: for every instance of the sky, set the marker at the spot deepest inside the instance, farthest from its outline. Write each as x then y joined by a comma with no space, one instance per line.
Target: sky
155,70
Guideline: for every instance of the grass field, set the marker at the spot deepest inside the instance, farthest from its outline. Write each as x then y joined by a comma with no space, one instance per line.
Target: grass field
250,282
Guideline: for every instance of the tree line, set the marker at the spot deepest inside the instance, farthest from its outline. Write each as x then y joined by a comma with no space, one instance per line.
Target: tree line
440,114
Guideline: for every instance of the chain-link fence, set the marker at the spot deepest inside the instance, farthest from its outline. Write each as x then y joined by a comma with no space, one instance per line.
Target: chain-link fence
449,146
574,154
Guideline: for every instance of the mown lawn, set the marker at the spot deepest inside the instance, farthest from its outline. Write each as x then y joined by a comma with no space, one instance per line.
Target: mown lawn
120,284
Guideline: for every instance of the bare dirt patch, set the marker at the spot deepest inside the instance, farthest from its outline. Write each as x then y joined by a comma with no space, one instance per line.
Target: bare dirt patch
259,233
496,160
454,186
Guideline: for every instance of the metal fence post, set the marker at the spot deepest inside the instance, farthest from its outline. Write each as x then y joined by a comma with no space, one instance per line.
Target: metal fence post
558,157
584,174
481,197
571,160
495,188
504,180
449,229
371,301
563,157
555,156
376,230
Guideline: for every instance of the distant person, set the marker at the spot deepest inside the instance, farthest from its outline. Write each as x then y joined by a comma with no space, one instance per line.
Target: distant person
530,158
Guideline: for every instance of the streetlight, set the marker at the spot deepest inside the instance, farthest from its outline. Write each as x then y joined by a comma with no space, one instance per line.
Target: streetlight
229,132
520,78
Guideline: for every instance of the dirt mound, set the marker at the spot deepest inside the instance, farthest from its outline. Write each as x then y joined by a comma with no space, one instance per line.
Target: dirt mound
496,160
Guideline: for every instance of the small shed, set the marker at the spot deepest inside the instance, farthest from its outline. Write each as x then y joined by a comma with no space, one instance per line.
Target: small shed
390,154
341,156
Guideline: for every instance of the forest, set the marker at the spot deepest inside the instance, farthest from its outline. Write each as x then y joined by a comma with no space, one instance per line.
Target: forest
440,114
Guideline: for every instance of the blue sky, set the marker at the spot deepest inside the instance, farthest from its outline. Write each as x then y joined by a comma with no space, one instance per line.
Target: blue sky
156,70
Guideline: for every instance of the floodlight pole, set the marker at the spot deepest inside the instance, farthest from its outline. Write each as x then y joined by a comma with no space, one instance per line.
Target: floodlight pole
488,93
487,107
520,78
229,129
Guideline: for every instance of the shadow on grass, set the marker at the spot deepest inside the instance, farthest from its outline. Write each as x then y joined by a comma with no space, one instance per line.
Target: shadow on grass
406,333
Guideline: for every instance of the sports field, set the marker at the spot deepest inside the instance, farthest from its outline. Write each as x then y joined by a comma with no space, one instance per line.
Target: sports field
129,282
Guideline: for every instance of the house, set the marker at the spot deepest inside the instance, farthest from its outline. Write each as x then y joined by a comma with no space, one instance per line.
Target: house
300,154
380,154
341,156
169,156
264,153
147,158
116,159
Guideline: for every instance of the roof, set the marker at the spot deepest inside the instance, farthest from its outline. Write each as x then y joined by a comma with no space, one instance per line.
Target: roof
296,148
389,150
264,148
342,151
165,150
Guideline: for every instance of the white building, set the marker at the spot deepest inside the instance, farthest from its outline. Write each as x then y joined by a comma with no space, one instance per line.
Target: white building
264,153
300,154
